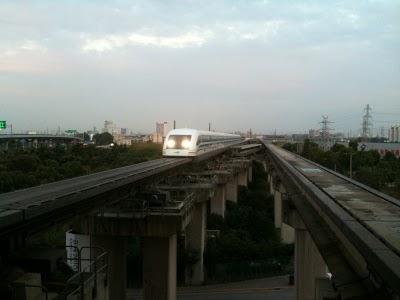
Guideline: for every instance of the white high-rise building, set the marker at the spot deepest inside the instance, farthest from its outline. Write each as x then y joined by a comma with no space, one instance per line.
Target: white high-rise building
162,128
109,127
394,134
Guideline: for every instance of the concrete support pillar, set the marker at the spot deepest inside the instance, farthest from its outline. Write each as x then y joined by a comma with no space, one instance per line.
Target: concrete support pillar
271,185
242,178
116,248
217,203
287,233
278,208
231,189
159,268
250,174
324,289
264,163
309,265
195,236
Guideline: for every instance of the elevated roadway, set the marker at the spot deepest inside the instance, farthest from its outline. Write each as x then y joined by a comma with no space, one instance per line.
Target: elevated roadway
355,228
5,137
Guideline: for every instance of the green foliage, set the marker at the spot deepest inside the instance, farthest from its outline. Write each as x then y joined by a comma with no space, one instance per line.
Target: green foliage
23,169
104,138
354,144
247,234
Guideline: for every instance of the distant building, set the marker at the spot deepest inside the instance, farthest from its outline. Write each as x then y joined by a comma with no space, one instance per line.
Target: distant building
141,138
394,134
299,137
313,133
162,128
157,138
382,148
109,127
124,131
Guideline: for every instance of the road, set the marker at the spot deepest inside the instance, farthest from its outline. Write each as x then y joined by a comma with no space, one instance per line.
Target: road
273,288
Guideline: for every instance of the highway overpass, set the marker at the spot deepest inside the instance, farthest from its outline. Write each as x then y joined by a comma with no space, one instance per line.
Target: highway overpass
36,140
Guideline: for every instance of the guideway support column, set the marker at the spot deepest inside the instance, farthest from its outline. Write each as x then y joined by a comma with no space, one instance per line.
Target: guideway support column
217,203
309,265
159,268
250,173
195,237
287,232
116,248
242,178
232,189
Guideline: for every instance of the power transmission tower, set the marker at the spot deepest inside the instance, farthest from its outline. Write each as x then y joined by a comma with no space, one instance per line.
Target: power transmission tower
325,133
366,123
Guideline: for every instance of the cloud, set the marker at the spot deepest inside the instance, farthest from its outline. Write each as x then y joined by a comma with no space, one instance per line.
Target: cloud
111,42
21,47
262,31
24,56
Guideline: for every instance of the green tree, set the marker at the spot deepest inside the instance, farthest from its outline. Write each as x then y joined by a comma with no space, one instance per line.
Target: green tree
104,138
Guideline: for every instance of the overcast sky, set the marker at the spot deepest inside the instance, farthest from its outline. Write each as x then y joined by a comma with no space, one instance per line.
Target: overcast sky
263,65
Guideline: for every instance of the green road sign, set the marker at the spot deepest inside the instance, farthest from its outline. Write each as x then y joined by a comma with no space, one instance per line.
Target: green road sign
3,124
70,131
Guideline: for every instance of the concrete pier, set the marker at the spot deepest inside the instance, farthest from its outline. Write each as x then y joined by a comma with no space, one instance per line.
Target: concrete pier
309,265
116,247
159,268
231,189
242,178
217,201
195,237
286,232
250,174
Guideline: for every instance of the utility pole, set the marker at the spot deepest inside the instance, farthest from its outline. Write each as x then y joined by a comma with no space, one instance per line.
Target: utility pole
325,133
351,164
366,123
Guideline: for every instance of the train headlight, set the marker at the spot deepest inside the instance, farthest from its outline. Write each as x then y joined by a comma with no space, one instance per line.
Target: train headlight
185,144
171,144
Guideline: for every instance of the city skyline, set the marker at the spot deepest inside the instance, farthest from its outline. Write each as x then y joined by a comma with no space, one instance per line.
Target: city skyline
264,65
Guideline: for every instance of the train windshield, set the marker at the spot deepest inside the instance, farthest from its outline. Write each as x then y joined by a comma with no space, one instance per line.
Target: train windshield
179,141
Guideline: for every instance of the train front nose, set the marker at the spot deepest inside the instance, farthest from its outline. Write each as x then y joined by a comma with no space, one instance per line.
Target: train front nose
178,145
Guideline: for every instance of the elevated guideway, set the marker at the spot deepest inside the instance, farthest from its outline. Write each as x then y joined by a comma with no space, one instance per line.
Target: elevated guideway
50,202
355,228
18,208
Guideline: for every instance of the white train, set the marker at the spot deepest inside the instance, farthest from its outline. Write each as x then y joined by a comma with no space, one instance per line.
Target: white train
191,142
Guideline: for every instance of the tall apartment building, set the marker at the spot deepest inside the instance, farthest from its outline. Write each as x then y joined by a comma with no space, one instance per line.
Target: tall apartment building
162,128
109,127
394,134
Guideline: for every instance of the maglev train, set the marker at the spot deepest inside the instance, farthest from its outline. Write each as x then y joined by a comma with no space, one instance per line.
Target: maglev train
192,142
